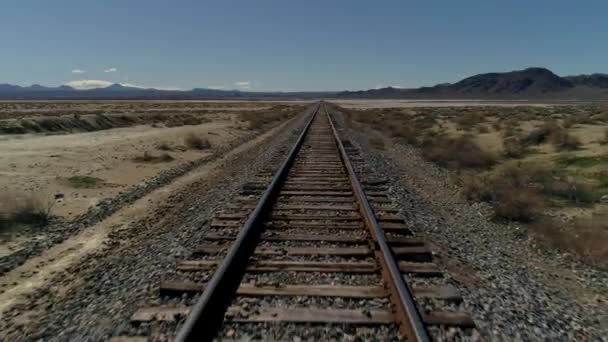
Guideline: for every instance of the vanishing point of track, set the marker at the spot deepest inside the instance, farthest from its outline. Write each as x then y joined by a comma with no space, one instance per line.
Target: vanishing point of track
314,225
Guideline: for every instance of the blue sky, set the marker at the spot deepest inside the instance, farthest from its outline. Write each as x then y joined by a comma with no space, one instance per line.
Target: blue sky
295,45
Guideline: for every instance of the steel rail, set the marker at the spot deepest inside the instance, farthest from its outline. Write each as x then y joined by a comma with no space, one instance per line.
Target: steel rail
207,315
407,315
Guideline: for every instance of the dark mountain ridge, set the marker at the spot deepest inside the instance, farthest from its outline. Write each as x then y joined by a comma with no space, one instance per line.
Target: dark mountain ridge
118,91
530,83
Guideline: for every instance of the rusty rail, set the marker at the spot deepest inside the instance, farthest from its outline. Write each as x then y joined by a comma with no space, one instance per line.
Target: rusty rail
207,314
406,313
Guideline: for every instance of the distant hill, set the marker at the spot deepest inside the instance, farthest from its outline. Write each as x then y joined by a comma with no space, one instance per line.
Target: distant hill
593,80
531,83
118,91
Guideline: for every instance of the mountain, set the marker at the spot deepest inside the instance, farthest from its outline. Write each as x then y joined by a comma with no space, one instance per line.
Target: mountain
530,83
118,91
593,80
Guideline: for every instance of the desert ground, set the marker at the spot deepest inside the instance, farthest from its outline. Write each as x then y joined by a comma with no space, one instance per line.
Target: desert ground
64,158
101,199
540,164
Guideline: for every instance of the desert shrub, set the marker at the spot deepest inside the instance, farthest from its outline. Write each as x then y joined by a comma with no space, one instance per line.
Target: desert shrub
604,140
404,132
513,192
587,238
513,147
151,158
469,120
516,204
483,129
541,134
476,187
562,140
164,146
24,210
196,142
377,142
571,190
461,152
496,126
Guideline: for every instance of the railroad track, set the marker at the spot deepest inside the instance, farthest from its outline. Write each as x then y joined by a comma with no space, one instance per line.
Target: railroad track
309,251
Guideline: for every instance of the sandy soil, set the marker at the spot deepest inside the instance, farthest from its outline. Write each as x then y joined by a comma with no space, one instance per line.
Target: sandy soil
368,104
40,165
37,272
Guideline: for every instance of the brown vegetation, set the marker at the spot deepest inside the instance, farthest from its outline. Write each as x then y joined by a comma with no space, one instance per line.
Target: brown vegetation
522,190
151,158
20,209
461,152
196,142
261,119
585,237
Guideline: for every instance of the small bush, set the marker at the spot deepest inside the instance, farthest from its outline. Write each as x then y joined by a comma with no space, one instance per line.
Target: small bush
562,140
404,132
196,142
587,238
516,204
483,129
461,152
604,140
513,192
513,147
164,146
541,134
496,126
24,210
571,190
151,158
469,120
476,187
377,142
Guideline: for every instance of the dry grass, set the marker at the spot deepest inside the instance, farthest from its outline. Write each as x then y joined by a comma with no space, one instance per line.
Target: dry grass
585,237
196,142
513,196
258,120
461,152
21,209
521,192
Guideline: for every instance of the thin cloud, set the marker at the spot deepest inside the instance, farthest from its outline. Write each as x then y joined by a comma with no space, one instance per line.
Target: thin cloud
243,84
78,71
111,70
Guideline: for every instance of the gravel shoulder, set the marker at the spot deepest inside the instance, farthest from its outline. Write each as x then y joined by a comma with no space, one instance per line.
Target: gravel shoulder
91,298
514,289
